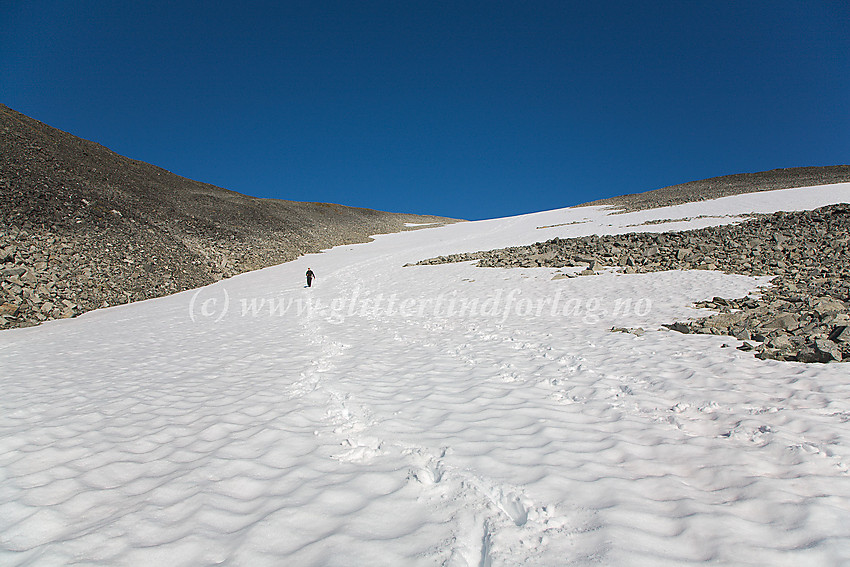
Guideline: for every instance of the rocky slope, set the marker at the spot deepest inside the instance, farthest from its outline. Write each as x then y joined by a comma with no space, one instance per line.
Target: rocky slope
717,187
802,315
82,227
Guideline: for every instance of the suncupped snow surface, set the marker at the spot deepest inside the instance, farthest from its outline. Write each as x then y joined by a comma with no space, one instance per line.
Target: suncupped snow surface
427,415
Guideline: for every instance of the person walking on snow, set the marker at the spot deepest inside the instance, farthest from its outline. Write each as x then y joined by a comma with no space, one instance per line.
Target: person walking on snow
310,276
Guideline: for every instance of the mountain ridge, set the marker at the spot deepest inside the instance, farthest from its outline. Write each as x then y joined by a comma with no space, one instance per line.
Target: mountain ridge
83,227
727,185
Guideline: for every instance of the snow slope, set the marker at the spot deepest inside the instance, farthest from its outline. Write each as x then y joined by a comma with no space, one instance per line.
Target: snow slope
429,415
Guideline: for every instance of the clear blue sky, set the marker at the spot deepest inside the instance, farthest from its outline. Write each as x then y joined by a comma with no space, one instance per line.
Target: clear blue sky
464,109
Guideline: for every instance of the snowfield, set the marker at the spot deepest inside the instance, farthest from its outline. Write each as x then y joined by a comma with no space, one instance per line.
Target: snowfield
426,415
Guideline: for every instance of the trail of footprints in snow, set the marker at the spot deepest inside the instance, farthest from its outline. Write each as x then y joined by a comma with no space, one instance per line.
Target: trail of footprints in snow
339,413
323,361
490,519
493,520
346,418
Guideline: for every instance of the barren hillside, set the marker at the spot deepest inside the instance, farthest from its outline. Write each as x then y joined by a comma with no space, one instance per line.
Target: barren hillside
83,227
727,185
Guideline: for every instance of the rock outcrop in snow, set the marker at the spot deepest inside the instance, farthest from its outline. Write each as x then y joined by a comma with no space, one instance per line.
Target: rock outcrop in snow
804,313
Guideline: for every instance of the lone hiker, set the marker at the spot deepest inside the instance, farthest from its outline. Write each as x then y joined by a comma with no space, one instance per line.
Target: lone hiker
310,276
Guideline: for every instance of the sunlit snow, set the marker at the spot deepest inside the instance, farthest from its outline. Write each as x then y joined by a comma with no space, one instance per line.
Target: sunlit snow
425,415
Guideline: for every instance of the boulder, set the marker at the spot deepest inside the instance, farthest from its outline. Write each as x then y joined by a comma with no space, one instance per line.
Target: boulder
679,327
820,351
13,272
726,320
785,321
782,342
8,310
742,334
829,306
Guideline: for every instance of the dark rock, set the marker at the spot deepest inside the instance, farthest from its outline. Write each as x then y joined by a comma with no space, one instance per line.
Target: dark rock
840,334
679,327
820,351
